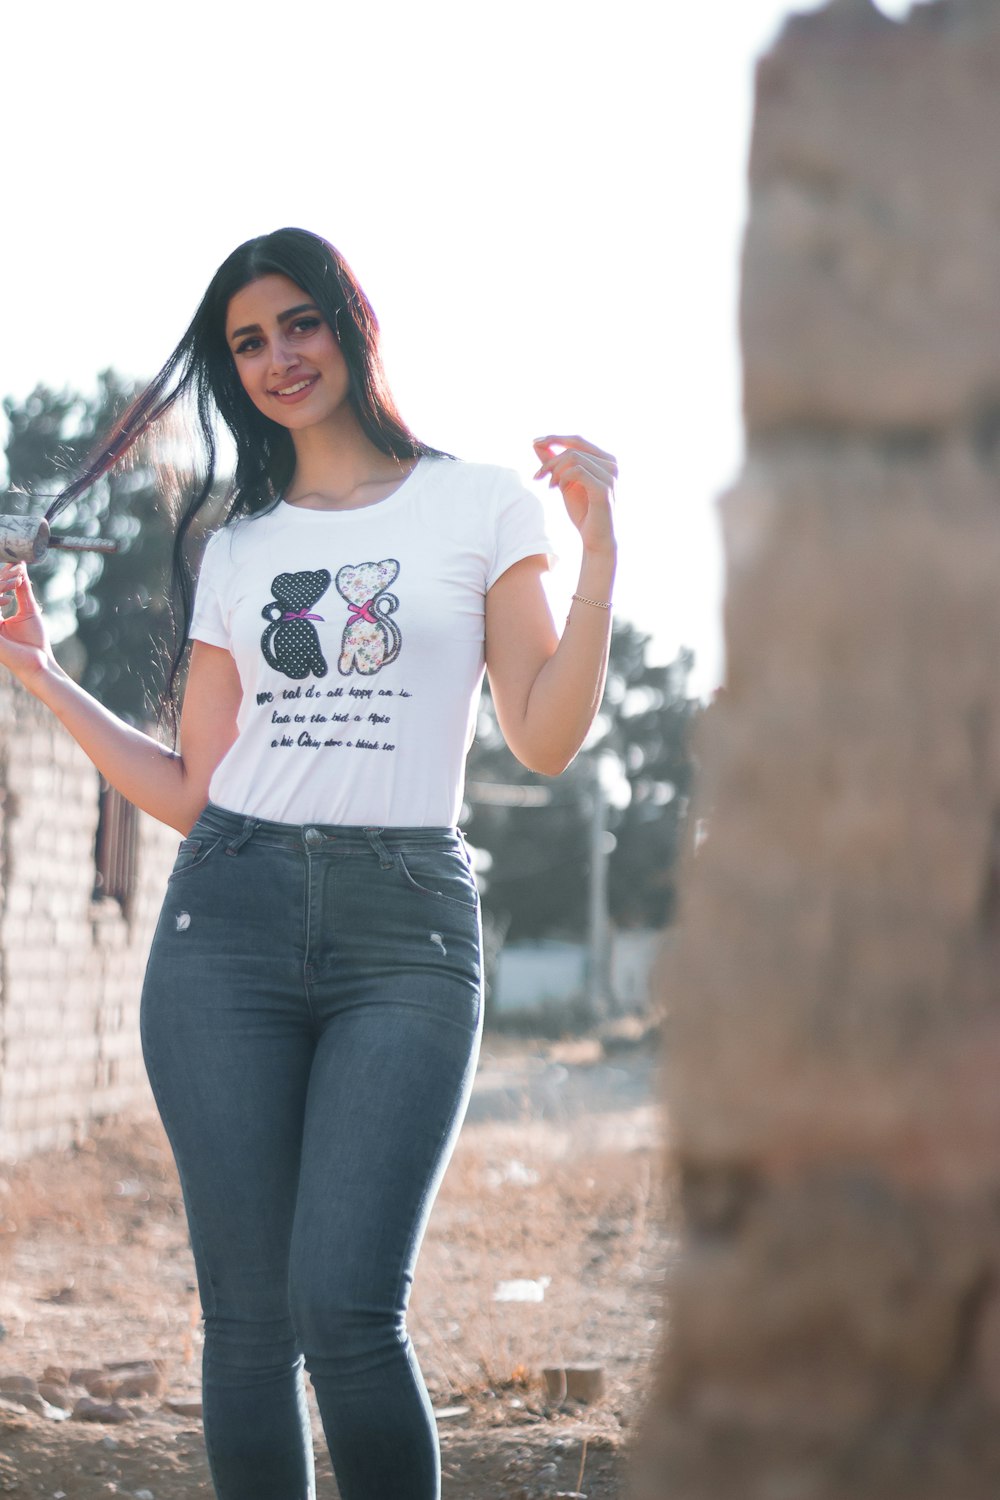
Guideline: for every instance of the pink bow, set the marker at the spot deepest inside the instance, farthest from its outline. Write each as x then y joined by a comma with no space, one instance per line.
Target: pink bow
362,612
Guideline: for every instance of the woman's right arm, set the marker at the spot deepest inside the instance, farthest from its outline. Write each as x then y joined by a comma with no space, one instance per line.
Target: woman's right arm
170,785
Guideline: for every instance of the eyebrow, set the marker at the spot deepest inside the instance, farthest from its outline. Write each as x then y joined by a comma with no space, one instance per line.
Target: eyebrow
283,317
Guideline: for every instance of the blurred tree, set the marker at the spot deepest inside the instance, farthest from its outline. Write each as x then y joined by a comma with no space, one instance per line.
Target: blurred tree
540,855
110,615
650,734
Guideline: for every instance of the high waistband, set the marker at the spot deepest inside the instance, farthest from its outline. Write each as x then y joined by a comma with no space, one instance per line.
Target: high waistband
240,828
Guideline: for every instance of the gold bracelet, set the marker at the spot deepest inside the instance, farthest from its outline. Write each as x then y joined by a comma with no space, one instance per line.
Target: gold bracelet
595,602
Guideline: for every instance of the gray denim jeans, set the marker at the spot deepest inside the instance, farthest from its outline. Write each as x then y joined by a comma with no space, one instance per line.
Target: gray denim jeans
310,1020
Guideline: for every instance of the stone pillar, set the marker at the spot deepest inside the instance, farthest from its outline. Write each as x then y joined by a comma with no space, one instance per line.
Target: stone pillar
833,1067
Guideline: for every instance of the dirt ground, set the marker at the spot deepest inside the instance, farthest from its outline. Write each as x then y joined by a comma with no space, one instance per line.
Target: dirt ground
556,1180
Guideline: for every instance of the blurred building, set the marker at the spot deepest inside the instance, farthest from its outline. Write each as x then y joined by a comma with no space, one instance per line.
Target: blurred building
551,973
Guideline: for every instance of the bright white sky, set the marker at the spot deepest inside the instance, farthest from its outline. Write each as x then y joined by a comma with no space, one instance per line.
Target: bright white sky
543,199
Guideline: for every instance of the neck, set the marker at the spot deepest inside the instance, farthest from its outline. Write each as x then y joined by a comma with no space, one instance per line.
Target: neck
335,461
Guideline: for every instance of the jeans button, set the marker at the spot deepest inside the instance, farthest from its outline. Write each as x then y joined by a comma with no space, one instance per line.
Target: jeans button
313,836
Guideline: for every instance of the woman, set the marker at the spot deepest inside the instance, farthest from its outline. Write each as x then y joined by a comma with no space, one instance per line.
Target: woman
311,1012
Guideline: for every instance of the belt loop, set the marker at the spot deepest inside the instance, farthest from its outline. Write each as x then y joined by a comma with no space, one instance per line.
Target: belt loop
249,829
384,857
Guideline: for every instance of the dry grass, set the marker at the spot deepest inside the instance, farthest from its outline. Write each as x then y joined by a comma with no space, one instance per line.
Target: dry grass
556,1175
576,1201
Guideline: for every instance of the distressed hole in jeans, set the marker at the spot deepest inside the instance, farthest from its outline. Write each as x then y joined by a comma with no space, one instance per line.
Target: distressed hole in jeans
183,921
438,941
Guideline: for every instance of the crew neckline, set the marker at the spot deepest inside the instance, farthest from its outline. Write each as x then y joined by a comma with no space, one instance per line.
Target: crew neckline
320,513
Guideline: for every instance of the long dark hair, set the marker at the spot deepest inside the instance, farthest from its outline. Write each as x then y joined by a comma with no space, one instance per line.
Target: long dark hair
201,368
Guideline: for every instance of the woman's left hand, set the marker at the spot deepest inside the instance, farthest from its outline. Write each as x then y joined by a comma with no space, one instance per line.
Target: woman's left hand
586,476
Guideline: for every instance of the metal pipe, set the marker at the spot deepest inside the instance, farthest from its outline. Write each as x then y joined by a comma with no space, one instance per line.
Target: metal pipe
28,539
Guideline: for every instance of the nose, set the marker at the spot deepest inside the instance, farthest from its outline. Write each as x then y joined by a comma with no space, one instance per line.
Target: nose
283,356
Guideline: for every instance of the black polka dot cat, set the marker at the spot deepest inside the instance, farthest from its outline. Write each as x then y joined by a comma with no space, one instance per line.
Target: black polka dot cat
290,643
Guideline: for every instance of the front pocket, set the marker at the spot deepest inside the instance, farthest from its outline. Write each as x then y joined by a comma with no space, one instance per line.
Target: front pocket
442,875
192,852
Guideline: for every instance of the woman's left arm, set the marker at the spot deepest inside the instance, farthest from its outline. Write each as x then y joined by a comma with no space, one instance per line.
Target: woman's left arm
547,689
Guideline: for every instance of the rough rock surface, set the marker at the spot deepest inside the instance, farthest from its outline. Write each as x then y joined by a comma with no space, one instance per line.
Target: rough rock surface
834,1327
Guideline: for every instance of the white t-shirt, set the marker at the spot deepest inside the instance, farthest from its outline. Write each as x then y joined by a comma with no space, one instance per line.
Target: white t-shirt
358,636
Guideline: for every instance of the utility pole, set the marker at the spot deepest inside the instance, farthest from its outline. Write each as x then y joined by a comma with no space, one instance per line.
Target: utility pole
599,924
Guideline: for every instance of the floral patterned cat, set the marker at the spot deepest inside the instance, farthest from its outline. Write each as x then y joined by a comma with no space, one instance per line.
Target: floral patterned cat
371,640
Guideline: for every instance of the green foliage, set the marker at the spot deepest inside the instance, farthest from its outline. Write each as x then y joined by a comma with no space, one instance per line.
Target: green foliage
538,879
111,615
649,732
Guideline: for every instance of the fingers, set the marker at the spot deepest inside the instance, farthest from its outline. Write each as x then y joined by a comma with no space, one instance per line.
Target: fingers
573,449
14,582
9,577
554,440
575,441
568,466
13,575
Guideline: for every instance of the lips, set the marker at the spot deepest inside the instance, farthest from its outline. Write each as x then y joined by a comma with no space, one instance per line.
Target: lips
295,390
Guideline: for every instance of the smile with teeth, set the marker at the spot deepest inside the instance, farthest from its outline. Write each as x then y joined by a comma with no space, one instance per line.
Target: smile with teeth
291,390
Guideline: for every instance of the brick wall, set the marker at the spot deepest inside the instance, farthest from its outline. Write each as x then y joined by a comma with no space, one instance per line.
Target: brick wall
70,966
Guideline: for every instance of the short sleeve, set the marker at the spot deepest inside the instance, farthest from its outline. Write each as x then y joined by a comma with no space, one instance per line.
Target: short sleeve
208,621
519,527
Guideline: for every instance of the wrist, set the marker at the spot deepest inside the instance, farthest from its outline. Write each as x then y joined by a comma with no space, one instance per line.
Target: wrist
602,552
605,604
597,575
37,676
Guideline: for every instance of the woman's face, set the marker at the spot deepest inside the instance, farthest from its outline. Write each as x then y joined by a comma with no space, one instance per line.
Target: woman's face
285,353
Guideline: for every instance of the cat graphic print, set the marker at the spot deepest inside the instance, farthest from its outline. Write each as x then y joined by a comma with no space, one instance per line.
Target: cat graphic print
290,643
371,640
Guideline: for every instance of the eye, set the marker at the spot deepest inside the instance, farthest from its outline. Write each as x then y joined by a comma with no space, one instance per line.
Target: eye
247,345
306,325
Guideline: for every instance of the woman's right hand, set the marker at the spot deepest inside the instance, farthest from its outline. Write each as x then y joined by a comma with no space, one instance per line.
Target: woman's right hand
25,648
168,785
